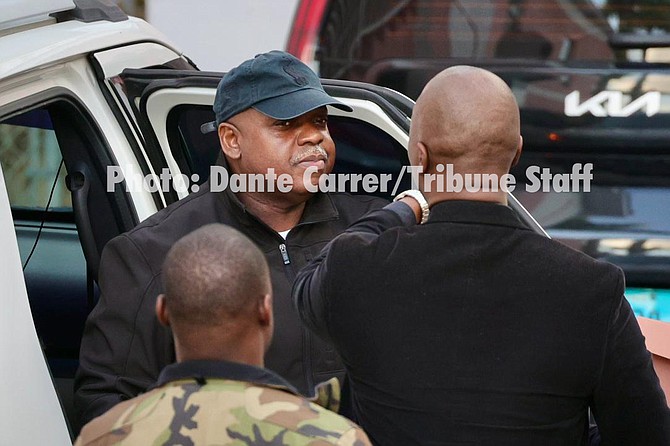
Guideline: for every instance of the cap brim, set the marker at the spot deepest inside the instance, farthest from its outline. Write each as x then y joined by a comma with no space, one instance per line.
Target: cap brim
297,103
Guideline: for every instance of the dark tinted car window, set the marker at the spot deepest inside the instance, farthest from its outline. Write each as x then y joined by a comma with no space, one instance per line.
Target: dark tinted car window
193,150
365,149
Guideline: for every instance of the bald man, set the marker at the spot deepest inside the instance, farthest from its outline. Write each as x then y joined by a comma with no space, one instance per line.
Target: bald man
471,329
218,303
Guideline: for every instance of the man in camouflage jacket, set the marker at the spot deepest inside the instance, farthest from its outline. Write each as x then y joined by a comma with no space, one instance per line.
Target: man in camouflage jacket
218,303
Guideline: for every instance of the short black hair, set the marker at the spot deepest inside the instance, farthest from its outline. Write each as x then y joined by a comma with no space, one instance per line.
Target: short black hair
213,273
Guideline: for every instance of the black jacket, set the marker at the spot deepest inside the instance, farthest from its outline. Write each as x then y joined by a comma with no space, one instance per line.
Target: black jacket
473,330
124,347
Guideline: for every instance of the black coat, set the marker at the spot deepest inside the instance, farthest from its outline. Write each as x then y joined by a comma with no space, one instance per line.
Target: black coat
474,330
124,347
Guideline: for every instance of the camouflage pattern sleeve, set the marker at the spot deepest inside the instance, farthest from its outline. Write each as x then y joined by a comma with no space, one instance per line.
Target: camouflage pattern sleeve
221,412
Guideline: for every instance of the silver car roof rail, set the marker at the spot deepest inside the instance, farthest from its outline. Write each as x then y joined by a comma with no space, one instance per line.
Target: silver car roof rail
92,11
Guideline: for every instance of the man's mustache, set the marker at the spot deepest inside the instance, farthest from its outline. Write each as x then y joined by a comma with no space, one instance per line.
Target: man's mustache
316,152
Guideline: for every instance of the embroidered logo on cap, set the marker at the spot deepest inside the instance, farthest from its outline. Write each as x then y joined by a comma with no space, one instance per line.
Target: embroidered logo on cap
297,76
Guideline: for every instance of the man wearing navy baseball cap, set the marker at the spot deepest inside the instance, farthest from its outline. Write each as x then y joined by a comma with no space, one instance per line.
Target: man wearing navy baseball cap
271,113
276,84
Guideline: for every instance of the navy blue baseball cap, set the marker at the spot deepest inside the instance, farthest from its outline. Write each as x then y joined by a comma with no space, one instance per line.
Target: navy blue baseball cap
276,84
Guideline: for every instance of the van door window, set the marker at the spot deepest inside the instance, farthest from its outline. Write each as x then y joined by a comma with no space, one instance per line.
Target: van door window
32,162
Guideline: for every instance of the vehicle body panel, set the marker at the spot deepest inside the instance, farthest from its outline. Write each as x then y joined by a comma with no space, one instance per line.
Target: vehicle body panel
31,413
28,51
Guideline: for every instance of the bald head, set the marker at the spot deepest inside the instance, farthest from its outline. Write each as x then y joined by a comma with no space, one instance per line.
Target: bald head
212,276
467,117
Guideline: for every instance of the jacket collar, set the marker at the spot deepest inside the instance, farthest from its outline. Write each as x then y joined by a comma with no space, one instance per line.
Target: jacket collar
201,370
482,212
319,207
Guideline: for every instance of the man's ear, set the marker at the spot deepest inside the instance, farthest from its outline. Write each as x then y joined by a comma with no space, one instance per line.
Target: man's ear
424,159
265,310
161,311
517,155
229,139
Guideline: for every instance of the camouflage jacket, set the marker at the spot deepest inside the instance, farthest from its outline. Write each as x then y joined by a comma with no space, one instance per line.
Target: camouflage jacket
222,403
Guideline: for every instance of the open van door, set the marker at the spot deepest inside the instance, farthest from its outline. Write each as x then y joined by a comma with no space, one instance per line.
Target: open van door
174,111
30,412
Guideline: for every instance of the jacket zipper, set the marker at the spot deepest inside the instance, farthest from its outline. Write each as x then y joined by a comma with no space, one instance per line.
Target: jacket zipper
284,254
306,345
